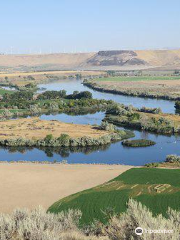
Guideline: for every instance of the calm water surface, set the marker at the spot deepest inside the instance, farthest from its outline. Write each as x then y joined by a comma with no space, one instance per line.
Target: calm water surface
76,85
110,154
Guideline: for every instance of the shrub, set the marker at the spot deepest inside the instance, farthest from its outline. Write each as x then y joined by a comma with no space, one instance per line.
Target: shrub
172,158
107,126
48,138
152,165
151,110
64,139
34,109
40,225
6,113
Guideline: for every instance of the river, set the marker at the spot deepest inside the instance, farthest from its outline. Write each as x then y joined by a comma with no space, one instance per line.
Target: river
111,154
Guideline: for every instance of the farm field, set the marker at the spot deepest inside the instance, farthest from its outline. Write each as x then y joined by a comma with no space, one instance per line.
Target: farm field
164,87
29,185
158,189
138,78
21,78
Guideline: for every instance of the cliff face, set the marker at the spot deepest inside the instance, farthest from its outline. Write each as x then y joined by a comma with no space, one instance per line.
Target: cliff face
116,58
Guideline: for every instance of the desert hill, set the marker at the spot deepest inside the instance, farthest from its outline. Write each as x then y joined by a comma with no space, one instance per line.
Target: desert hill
102,60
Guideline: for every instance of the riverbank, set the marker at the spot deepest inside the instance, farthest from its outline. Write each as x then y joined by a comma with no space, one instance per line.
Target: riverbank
159,89
151,120
29,185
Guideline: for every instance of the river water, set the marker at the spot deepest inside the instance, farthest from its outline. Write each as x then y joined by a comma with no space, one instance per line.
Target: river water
112,154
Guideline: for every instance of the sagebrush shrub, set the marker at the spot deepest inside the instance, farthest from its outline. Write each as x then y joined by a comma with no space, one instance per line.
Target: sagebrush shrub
41,225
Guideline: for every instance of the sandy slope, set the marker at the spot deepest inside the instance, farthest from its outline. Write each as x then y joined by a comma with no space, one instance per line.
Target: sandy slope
30,185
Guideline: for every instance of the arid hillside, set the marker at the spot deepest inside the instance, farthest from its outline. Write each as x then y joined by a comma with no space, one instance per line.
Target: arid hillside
102,60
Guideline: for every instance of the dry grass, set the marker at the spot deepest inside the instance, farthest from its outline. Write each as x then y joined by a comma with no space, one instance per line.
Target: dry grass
34,128
152,86
56,73
21,78
62,60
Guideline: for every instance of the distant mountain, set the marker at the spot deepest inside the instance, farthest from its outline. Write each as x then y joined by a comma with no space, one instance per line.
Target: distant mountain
102,60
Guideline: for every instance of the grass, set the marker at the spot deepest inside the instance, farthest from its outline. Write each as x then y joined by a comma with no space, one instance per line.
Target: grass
158,189
142,78
14,110
3,91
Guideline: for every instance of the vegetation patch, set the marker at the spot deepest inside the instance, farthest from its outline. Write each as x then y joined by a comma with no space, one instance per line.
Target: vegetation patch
66,225
138,143
36,132
158,189
128,116
26,102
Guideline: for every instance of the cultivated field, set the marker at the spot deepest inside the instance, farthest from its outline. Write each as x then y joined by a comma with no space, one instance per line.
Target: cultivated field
158,189
29,185
34,129
22,78
160,86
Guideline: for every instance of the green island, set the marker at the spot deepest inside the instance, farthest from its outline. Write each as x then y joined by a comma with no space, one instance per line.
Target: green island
27,102
138,143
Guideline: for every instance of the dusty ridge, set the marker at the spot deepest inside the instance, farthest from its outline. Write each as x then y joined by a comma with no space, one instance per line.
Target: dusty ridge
103,60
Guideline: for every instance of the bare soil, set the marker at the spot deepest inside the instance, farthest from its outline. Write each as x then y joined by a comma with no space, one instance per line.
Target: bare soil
30,185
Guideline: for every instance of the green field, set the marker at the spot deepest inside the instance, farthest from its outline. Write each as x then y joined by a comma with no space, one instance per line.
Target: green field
14,110
158,189
139,78
3,91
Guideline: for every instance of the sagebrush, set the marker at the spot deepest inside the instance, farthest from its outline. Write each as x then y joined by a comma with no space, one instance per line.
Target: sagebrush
41,225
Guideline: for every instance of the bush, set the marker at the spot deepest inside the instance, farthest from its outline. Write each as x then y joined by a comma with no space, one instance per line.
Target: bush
48,138
64,139
172,158
41,225
177,105
152,165
85,94
151,110
107,126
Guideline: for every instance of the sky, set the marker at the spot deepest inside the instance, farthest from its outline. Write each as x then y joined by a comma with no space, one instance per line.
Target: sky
88,25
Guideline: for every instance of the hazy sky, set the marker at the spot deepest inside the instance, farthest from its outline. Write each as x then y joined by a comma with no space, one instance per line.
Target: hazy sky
88,25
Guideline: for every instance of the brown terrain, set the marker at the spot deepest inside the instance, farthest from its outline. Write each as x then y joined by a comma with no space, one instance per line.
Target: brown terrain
103,60
34,128
29,185
160,87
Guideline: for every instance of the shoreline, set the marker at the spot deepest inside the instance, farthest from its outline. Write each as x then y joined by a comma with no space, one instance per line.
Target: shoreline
29,185
94,86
